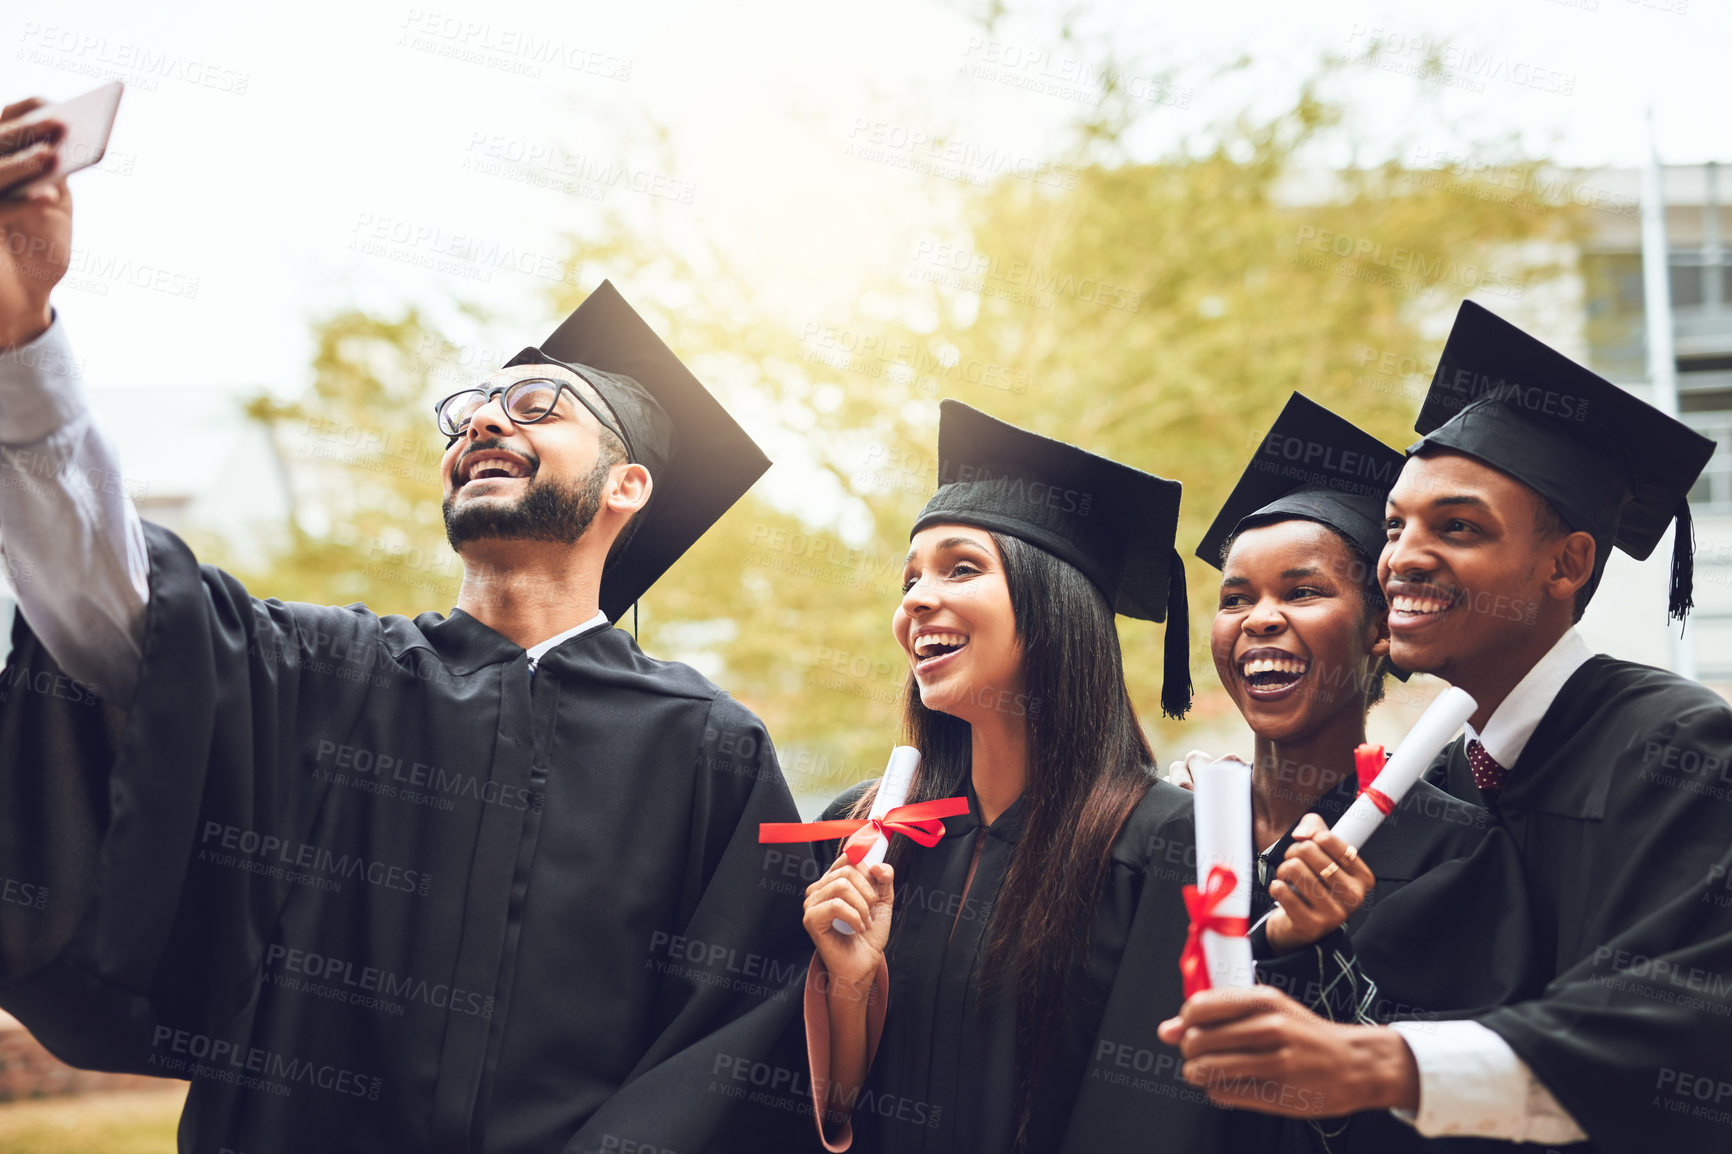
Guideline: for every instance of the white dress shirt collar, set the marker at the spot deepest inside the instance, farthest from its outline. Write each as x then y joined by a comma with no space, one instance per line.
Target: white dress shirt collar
540,649
1514,721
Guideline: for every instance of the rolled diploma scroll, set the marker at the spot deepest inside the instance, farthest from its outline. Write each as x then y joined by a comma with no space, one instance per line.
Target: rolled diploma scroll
1223,814
892,791
1434,730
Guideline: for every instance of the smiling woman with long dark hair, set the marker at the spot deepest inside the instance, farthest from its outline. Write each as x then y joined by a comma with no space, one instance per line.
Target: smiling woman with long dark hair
979,1005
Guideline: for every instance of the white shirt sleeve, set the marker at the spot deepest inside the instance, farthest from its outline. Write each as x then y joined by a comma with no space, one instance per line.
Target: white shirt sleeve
1471,1084
71,540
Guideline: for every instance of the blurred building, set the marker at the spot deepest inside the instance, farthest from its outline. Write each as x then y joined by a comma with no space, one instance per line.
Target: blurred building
1629,620
194,461
1595,312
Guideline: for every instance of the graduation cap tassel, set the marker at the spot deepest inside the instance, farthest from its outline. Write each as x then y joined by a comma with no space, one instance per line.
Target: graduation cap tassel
1682,599
1176,673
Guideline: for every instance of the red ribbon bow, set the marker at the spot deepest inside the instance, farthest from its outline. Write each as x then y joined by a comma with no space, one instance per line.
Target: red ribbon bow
918,822
1368,763
1201,905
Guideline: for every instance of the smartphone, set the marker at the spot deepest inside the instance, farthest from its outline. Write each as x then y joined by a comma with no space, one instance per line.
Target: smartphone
88,120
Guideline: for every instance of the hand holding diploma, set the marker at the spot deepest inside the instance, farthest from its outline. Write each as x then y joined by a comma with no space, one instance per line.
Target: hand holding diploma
1261,1050
856,893
862,900
892,794
1217,954
1258,1049
848,910
1434,730
1321,883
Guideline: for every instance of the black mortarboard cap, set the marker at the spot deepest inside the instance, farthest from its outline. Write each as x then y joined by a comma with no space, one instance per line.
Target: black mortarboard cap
1612,465
1312,465
1114,523
699,459
1315,466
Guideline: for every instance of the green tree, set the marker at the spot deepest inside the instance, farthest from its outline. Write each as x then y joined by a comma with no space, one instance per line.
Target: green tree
1161,313
364,455
1155,312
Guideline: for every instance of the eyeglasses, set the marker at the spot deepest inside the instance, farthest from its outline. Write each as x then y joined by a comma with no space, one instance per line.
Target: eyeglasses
525,402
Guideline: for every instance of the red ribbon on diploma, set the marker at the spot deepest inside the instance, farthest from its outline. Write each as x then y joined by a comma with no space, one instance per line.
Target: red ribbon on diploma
1201,905
1368,763
919,822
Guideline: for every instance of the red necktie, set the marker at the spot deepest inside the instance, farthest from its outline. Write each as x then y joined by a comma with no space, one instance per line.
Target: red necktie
1487,773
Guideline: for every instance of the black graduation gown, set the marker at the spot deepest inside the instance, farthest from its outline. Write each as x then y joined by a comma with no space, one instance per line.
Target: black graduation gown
943,1078
1446,931
1621,808
371,888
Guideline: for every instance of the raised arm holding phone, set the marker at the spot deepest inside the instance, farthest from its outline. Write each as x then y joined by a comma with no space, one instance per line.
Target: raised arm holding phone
93,625
374,883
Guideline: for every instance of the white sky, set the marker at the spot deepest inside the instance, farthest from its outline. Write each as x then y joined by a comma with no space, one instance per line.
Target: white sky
363,121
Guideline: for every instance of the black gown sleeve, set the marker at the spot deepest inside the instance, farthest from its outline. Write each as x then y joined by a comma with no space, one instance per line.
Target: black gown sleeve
133,935
53,824
1453,942
1631,1035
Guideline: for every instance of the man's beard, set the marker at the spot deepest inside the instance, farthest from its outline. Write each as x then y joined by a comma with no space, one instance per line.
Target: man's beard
547,511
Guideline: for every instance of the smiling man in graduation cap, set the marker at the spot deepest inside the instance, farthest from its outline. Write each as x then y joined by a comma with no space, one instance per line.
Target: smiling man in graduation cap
1530,470
480,882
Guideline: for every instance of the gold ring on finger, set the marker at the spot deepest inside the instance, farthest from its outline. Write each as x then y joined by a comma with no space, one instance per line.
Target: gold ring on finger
1351,856
1329,871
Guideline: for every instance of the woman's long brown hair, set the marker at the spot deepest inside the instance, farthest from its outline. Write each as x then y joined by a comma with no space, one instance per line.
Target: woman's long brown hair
1088,767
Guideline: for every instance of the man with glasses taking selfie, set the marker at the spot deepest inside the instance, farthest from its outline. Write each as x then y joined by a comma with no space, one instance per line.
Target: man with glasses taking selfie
487,881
